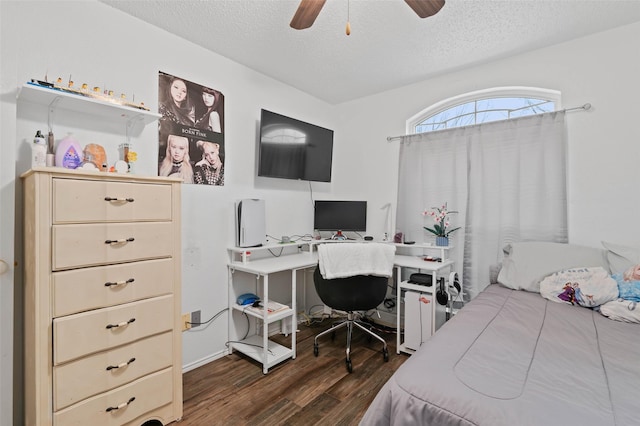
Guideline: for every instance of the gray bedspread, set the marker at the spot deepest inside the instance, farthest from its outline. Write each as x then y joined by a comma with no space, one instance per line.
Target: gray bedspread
513,358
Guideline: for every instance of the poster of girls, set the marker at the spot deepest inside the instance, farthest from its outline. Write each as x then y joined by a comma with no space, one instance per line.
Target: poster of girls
191,131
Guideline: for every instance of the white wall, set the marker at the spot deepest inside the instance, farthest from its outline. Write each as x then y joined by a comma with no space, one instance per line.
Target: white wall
100,45
604,143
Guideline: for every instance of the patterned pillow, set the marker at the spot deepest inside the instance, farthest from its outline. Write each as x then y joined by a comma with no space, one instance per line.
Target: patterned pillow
621,310
587,287
629,283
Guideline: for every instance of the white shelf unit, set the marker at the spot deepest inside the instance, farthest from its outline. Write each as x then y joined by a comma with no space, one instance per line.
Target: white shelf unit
425,247
435,269
257,346
245,254
81,104
275,316
252,347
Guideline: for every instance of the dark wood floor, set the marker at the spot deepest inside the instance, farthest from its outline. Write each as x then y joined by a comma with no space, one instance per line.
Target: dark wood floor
302,391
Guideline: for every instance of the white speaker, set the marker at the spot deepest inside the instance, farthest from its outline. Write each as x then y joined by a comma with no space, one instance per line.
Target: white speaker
250,223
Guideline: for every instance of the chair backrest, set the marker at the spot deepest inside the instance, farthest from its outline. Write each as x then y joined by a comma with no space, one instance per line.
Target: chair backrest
356,293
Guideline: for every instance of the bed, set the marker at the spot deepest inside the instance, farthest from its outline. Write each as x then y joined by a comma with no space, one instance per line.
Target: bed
515,357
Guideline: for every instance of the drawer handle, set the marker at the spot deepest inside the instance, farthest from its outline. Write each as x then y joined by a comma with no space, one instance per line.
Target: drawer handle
123,364
109,284
124,404
120,241
122,324
126,200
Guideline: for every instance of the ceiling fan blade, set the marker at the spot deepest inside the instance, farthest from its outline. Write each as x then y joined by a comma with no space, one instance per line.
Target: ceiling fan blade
306,14
425,8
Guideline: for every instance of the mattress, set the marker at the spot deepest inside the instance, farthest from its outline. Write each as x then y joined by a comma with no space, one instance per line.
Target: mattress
514,358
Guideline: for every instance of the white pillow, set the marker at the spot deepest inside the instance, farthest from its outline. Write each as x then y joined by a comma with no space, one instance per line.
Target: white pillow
588,287
621,257
526,263
621,310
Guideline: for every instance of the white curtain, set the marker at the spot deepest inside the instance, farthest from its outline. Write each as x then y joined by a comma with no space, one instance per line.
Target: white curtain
506,180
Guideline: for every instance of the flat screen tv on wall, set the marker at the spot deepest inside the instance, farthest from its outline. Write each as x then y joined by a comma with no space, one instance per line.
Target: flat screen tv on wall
293,149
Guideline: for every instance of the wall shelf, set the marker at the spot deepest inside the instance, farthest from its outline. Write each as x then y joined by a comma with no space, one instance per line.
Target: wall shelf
54,98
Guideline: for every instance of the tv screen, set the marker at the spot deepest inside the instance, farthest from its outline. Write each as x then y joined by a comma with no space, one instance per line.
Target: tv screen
293,149
340,216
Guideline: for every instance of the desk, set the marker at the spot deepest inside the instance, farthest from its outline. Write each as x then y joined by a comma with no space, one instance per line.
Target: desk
270,353
255,346
434,268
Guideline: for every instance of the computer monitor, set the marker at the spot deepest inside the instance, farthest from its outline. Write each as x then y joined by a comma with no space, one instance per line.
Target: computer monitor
330,215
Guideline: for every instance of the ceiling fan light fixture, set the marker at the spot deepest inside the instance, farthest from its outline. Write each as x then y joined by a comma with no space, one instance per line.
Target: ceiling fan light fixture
306,14
308,11
425,8
348,30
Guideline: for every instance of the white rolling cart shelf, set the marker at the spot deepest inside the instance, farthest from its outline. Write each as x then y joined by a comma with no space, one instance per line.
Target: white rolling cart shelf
257,346
416,262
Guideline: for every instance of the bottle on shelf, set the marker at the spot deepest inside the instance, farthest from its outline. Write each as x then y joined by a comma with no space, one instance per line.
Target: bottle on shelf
39,151
68,153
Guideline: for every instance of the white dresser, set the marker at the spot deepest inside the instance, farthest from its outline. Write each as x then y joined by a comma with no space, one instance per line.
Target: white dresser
102,298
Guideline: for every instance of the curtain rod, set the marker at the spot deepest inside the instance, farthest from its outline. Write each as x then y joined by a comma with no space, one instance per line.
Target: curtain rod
584,107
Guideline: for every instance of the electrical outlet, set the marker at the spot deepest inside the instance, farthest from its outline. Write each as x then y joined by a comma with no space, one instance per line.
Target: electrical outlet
195,319
186,319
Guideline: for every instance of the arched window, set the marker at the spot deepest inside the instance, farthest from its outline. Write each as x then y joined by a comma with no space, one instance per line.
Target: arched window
482,106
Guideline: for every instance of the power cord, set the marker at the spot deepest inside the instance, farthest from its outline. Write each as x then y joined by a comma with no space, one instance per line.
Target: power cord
241,341
209,320
292,239
276,255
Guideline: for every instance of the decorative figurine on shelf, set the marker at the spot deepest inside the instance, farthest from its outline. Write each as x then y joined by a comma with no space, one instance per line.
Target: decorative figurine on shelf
128,155
83,90
95,154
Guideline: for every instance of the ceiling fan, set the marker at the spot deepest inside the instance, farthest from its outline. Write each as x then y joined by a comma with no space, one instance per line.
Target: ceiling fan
308,11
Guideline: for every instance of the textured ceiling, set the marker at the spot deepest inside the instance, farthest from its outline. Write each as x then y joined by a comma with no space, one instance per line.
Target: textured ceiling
389,45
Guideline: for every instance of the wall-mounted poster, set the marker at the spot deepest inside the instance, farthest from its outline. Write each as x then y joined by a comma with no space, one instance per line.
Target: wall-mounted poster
191,131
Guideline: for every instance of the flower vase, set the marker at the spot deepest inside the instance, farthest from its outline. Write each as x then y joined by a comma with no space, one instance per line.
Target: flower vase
442,241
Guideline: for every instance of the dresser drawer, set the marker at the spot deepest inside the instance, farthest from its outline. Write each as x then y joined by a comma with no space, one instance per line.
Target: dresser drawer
107,370
81,290
134,399
107,201
89,332
100,244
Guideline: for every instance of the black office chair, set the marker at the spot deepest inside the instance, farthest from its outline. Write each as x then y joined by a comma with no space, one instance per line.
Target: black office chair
356,293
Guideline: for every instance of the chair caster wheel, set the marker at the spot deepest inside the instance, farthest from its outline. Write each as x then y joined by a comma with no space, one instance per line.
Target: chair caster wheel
349,366
385,354
316,350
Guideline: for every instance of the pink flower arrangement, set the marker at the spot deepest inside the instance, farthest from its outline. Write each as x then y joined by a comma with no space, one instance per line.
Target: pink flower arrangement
440,216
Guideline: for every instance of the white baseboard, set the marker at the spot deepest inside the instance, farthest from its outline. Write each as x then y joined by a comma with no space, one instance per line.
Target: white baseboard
204,361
